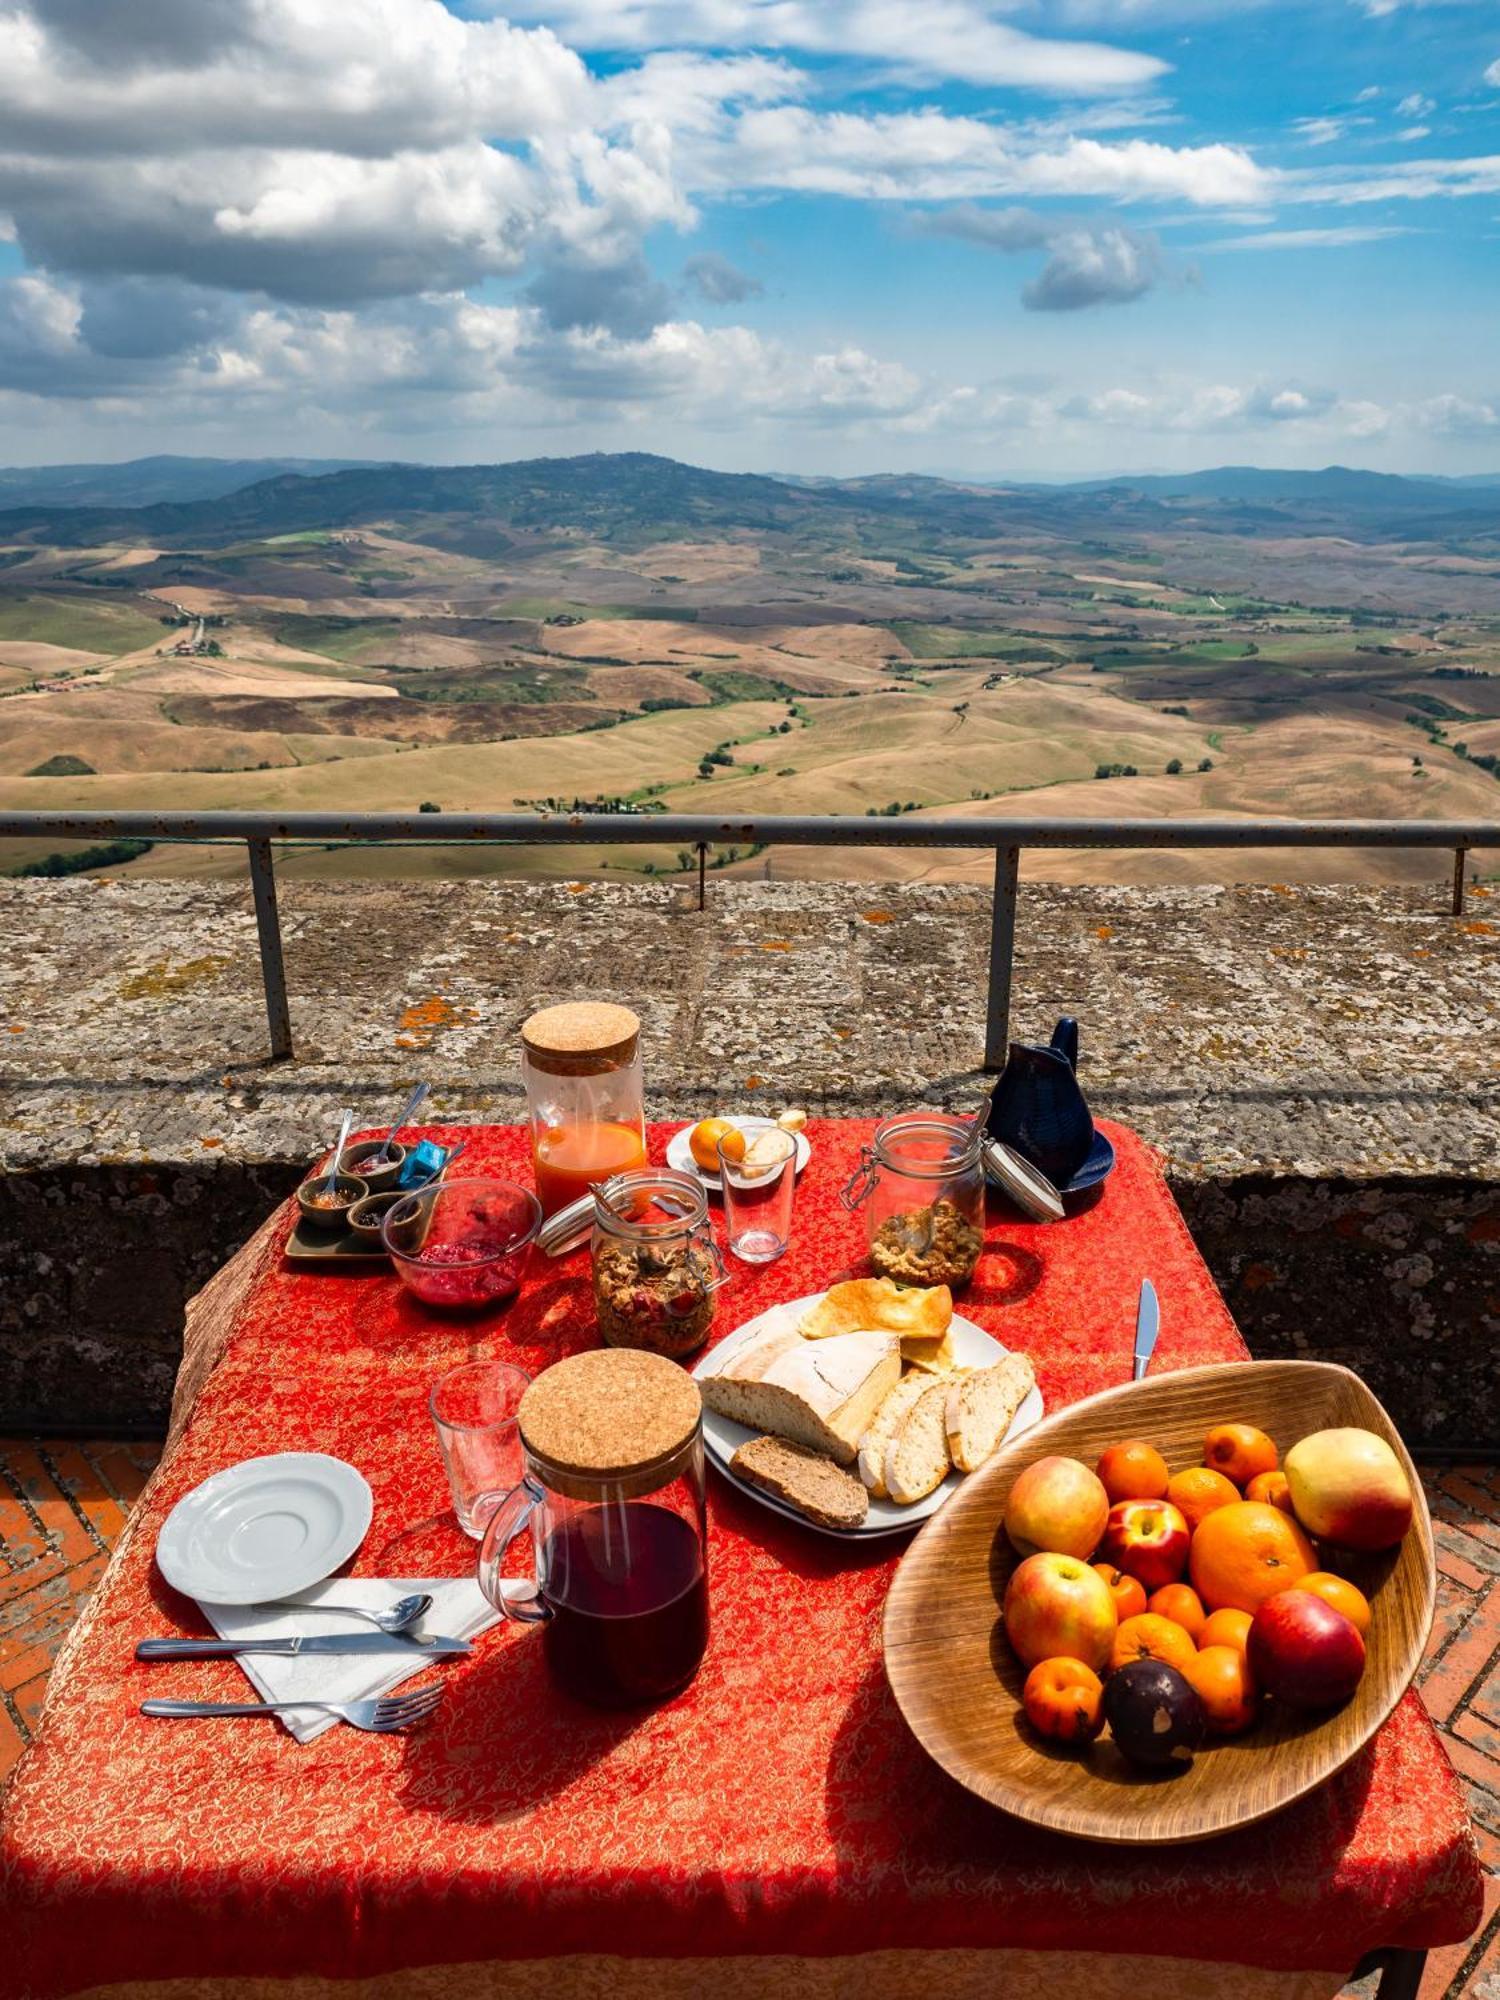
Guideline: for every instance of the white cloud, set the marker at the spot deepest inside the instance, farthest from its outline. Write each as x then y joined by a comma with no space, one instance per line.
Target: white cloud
1306,239
1492,74
1091,262
1320,131
1415,105
945,38
1409,134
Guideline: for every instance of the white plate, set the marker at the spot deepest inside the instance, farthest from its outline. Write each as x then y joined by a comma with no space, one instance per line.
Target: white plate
265,1528
973,1348
680,1153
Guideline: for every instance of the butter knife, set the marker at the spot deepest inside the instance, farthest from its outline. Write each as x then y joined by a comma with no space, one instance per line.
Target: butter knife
293,1643
1147,1327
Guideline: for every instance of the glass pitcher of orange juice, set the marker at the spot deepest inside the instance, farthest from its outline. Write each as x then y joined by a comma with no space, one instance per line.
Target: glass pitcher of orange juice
581,1063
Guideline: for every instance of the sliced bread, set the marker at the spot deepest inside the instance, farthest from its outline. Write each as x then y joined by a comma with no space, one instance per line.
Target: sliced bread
981,1408
888,1419
814,1485
819,1393
916,1459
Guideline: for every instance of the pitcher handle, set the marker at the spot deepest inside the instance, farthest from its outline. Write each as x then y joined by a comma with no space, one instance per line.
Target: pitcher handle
1065,1040
509,1519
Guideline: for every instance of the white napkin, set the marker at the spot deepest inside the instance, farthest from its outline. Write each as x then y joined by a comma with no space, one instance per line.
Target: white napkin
460,1610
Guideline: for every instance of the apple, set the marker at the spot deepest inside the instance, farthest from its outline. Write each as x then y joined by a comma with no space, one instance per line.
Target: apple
1056,1504
1304,1652
1348,1487
1056,1604
1148,1539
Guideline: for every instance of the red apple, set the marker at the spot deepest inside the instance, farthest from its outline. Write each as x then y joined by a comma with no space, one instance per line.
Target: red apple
1058,1605
1304,1652
1348,1487
1058,1505
1148,1539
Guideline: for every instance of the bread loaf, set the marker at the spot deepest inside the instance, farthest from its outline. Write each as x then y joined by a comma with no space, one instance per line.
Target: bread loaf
819,1393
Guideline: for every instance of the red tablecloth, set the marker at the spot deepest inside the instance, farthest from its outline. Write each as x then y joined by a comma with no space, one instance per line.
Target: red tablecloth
778,1807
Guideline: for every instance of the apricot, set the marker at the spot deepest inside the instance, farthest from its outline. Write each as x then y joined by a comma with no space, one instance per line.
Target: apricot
1221,1675
1182,1604
1128,1592
1226,1628
1239,1451
1063,1699
1197,1492
1341,1594
1150,1637
1272,1487
1134,1470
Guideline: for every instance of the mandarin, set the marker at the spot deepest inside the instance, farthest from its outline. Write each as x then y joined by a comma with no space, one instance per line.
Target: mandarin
1224,1685
1226,1628
1239,1451
703,1142
1271,1487
1181,1603
1134,1470
1243,1554
1150,1637
1128,1592
1197,1492
1064,1699
1342,1595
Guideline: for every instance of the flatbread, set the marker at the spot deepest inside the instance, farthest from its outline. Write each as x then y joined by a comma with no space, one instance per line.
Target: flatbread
934,1357
916,1312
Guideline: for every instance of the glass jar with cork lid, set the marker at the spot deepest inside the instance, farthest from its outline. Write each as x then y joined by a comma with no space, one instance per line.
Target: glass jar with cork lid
581,1064
612,1491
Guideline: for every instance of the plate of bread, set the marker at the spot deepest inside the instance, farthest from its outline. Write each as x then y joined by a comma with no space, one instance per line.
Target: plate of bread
858,1411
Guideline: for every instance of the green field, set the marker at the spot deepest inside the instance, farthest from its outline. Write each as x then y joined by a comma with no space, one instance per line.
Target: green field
65,621
961,642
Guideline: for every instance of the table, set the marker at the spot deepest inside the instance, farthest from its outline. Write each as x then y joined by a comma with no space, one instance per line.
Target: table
774,1829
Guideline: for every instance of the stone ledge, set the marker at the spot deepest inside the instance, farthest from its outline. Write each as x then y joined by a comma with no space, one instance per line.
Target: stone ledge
1318,1066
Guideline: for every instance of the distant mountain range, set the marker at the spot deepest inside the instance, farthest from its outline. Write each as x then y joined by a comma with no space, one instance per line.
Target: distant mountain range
636,497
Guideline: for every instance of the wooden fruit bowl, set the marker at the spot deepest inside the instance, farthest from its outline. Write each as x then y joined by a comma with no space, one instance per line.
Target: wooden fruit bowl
959,1684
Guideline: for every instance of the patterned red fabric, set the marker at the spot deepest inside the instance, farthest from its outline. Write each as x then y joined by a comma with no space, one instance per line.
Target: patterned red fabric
778,1806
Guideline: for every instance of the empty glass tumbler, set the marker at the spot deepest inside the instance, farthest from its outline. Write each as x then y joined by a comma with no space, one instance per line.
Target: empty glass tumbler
474,1412
758,1190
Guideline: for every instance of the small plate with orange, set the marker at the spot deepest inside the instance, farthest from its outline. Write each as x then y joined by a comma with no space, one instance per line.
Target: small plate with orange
681,1153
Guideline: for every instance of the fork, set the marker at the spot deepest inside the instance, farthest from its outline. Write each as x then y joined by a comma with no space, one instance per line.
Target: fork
381,1716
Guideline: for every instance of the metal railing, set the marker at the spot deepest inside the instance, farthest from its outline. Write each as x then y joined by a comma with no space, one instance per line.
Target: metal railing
699,832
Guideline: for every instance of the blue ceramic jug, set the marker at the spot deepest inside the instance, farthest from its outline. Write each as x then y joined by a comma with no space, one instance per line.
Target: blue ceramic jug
1038,1109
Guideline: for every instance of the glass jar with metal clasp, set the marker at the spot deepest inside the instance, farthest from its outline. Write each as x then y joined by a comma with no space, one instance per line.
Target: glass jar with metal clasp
656,1264
920,1183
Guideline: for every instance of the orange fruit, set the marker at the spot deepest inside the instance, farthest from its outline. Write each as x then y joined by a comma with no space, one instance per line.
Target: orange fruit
703,1142
1222,1679
1271,1487
1134,1470
1197,1492
732,1146
1226,1628
1128,1592
1181,1604
1341,1594
1151,1637
1243,1554
1239,1451
1064,1699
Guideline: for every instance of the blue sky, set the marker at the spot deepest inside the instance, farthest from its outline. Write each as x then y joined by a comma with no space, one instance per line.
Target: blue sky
807,235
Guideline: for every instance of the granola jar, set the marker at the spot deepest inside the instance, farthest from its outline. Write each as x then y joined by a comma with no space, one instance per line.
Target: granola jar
921,1186
656,1264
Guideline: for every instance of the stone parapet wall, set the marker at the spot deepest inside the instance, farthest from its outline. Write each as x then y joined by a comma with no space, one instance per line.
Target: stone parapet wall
1319,1066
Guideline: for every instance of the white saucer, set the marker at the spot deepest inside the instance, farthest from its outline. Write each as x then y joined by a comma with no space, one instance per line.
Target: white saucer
265,1528
722,1437
680,1153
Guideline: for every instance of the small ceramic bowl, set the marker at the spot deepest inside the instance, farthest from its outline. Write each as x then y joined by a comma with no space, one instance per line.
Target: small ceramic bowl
349,1190
366,1216
354,1161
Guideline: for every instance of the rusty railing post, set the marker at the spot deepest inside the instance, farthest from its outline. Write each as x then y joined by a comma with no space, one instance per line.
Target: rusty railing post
702,871
272,969
1002,957
1460,856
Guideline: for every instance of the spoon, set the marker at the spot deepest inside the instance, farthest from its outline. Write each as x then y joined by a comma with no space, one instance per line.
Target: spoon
400,1618
408,1112
451,1157
338,1152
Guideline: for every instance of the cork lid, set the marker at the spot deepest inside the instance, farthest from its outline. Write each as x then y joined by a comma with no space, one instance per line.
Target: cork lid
581,1037
614,1413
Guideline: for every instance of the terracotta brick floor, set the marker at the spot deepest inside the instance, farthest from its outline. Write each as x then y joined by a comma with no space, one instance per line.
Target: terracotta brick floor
63,1504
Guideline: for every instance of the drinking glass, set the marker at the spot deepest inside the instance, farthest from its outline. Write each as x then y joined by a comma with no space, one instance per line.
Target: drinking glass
758,1205
474,1411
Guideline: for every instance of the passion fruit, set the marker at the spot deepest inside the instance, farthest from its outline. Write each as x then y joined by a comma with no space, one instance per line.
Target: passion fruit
1154,1713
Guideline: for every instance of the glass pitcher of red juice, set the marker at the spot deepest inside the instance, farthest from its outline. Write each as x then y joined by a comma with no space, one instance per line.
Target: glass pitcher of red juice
581,1063
612,1491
